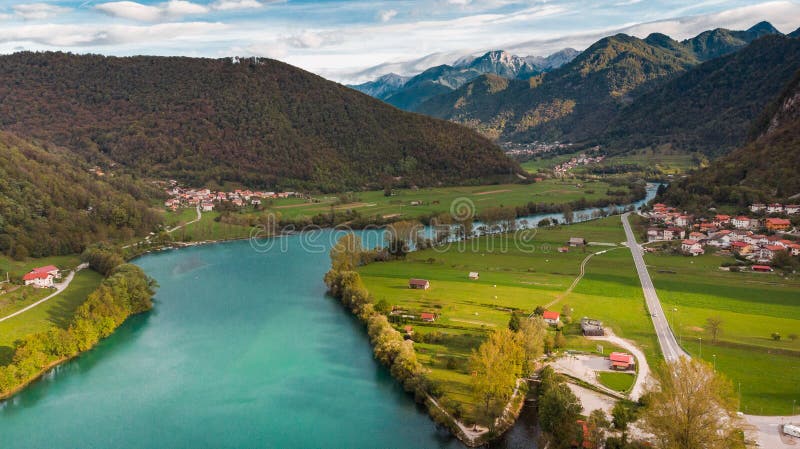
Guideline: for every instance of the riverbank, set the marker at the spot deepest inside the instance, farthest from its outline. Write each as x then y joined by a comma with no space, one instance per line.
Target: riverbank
125,292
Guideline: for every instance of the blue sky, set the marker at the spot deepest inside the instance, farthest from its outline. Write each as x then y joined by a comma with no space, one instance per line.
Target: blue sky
358,39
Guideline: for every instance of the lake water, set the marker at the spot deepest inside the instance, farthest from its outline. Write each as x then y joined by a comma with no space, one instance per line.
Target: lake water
242,349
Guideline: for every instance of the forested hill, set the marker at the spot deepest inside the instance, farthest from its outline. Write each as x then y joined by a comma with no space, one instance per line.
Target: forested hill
709,108
50,204
763,170
262,124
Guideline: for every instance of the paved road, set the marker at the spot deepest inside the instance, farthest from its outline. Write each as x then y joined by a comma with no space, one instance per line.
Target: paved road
666,339
765,429
60,287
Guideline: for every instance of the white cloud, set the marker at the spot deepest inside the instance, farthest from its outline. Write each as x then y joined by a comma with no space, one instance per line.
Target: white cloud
387,15
229,5
38,11
173,9
83,36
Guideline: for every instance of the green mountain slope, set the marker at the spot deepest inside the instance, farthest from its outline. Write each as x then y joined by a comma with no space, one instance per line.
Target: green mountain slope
262,124
765,169
50,204
710,107
578,101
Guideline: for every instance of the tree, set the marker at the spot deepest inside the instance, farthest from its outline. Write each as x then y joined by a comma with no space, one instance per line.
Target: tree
513,322
694,408
538,311
714,327
776,336
496,365
622,416
346,253
598,424
559,409
401,235
531,337
792,337
569,216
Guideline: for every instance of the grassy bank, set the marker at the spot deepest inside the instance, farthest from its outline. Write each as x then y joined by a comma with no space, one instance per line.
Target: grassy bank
511,278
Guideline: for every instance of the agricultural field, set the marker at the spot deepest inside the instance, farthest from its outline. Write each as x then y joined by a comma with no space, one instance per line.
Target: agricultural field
17,269
414,203
511,278
752,307
57,311
666,162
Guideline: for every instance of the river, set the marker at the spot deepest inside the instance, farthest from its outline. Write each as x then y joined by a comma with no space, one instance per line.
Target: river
242,349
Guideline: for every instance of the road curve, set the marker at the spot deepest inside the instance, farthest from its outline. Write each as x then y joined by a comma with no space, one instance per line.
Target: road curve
666,339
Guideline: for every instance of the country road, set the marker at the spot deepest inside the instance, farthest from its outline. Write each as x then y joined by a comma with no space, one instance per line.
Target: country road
60,287
666,339
764,429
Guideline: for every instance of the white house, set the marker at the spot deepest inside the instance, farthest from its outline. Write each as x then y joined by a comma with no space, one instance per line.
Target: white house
774,208
757,207
551,318
792,209
741,222
207,206
692,247
42,277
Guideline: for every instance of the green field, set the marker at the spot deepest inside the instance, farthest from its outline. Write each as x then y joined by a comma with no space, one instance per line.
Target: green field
663,160
616,381
752,307
57,311
18,268
516,279
15,297
415,203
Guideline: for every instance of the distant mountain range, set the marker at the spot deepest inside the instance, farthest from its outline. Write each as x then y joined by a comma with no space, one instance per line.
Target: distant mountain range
213,121
699,94
409,92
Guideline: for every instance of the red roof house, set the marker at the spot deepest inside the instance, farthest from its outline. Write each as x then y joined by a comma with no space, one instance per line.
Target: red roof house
419,283
429,317
762,268
621,360
551,318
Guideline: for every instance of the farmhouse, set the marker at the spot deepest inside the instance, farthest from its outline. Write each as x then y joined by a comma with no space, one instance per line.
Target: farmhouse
473,275
42,277
576,241
762,268
683,220
621,361
757,207
427,317
778,224
421,284
207,206
792,209
551,318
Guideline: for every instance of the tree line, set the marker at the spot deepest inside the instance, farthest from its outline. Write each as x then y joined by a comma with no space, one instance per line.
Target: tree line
126,291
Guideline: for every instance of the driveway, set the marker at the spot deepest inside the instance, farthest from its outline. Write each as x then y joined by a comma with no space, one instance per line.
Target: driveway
60,287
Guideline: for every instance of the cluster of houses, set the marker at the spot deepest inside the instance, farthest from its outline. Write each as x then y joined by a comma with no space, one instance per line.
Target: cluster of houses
582,159
206,199
738,234
775,208
42,277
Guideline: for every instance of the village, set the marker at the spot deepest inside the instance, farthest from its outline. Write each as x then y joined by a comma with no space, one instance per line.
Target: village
582,159
207,199
756,239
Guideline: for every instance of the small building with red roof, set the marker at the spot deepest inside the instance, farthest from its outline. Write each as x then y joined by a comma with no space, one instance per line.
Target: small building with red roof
621,361
551,318
42,277
427,317
422,284
778,224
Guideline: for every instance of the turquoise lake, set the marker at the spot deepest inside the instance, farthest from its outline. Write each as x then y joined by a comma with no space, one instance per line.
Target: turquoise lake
242,349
